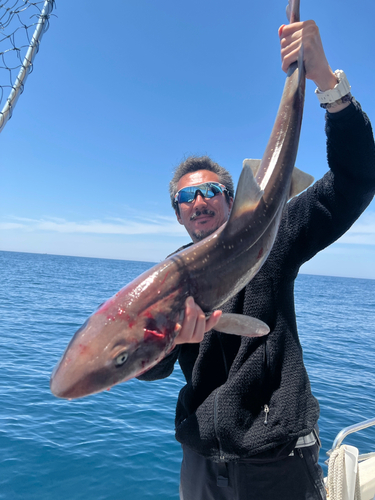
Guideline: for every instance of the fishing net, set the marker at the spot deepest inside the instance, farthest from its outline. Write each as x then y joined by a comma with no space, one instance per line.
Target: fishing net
22,24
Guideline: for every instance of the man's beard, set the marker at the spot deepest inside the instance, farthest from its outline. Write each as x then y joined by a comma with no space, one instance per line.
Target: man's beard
200,234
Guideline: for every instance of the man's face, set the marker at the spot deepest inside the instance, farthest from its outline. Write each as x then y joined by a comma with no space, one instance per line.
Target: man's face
202,216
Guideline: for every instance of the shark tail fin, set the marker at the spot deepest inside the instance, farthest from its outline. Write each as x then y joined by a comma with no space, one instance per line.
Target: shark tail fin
292,11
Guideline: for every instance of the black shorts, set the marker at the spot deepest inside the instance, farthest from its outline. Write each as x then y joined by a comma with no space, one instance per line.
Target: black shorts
296,476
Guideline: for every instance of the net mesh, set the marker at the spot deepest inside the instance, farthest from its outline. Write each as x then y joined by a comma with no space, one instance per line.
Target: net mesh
22,24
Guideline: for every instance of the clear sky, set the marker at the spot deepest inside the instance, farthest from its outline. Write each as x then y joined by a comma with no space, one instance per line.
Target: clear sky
122,91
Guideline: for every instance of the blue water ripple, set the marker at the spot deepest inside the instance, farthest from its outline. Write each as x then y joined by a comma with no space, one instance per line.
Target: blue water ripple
120,444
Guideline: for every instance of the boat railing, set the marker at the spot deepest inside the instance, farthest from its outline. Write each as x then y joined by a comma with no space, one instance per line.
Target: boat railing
349,430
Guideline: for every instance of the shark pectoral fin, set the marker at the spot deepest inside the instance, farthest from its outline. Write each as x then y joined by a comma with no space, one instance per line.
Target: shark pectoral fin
300,181
247,196
239,324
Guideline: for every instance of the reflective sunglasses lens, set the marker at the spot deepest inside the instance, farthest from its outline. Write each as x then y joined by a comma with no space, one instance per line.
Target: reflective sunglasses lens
188,194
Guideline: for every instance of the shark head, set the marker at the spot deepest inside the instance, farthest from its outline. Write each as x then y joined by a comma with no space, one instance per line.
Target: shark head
121,340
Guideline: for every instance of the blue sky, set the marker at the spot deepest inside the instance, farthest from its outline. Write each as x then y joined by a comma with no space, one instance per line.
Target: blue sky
122,92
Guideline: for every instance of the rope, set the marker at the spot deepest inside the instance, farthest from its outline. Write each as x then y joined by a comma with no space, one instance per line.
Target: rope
357,494
336,466
336,475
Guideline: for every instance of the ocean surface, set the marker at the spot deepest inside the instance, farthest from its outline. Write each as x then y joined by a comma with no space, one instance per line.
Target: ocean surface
120,444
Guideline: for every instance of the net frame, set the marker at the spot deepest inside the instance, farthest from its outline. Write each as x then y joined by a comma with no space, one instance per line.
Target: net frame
10,15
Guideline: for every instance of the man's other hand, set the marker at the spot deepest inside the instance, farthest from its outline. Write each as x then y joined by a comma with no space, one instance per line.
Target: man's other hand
195,323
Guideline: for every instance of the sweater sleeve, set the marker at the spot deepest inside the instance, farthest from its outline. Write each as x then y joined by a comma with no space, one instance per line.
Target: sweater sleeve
323,213
163,369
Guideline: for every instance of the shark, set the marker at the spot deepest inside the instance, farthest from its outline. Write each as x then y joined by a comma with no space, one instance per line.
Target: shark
136,328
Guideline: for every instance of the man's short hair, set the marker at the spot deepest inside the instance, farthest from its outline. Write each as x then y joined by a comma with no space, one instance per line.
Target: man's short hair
194,163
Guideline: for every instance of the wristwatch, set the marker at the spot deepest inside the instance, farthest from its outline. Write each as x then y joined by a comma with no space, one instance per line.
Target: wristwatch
339,94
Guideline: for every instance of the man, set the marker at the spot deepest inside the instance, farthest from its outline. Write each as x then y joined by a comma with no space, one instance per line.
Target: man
246,417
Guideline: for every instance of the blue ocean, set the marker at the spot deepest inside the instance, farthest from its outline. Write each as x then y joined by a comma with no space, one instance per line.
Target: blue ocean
120,445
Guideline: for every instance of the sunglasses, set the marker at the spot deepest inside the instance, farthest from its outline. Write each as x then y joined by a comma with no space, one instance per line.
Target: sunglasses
207,190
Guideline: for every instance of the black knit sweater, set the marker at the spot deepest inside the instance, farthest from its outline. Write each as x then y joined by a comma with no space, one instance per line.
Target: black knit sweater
232,382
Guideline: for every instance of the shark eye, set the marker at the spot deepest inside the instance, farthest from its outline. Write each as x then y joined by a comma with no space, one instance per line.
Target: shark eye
121,358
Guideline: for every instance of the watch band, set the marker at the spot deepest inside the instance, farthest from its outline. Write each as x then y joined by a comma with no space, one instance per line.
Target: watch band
341,89
345,98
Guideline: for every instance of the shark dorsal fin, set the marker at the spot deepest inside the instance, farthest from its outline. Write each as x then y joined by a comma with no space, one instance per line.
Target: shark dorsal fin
253,164
248,191
300,181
